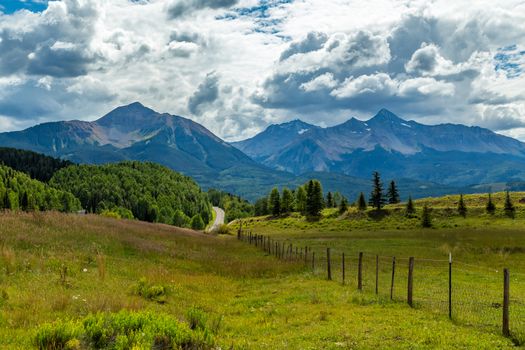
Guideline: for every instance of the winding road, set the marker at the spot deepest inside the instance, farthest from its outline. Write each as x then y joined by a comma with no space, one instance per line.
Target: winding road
219,219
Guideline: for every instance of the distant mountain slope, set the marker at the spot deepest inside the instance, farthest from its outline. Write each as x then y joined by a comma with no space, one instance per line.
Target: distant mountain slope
447,153
135,132
341,157
274,139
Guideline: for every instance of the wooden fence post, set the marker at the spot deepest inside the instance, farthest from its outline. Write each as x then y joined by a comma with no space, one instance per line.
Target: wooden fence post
393,277
377,274
450,285
343,266
306,255
410,281
360,272
328,264
506,300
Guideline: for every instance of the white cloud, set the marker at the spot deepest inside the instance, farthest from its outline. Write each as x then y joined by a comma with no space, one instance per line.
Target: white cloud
319,60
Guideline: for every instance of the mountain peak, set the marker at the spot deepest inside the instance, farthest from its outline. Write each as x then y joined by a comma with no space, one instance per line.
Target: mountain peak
133,113
385,115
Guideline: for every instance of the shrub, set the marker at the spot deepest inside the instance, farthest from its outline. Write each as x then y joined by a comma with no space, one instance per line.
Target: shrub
223,230
58,336
151,292
122,330
197,223
196,318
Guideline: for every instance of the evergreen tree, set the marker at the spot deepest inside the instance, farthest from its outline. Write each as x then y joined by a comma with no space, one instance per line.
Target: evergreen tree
197,223
361,202
337,199
287,201
314,198
491,207
462,208
261,207
300,200
410,209
343,206
509,207
426,220
274,202
377,199
330,200
180,219
393,193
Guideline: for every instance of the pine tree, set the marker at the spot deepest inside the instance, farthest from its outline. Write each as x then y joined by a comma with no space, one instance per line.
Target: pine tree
197,223
377,199
300,200
330,200
462,208
410,209
393,193
491,207
361,202
287,201
275,202
426,220
343,206
316,199
309,197
509,207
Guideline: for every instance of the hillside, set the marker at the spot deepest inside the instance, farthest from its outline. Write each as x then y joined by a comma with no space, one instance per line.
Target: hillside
146,191
57,269
36,165
454,155
19,192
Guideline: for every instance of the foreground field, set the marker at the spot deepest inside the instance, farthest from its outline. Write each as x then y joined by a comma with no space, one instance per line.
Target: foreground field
64,268
481,245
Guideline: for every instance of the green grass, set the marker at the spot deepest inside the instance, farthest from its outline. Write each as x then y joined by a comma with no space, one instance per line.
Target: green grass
481,245
57,271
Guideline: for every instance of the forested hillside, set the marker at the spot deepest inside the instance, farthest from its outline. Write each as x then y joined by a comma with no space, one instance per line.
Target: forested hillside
146,191
19,192
36,165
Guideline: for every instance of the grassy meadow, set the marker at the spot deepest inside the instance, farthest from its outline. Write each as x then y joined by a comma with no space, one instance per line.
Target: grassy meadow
481,246
60,271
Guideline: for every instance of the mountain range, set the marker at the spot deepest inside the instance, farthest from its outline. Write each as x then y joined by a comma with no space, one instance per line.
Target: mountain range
424,160
451,154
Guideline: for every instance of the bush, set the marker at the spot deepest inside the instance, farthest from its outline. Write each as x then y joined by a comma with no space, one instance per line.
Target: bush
197,223
123,330
223,230
196,318
151,292
58,336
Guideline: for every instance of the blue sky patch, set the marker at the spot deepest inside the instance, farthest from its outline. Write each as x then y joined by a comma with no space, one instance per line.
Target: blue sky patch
510,60
10,6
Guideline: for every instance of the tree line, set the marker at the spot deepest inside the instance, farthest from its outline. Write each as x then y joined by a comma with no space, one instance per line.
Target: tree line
131,189
19,192
37,166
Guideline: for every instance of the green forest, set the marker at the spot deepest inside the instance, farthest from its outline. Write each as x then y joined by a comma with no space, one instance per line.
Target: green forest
37,166
19,192
145,191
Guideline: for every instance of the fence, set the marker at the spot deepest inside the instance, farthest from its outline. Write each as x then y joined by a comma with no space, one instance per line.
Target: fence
469,294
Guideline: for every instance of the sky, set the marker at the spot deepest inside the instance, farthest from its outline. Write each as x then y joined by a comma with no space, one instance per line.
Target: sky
237,66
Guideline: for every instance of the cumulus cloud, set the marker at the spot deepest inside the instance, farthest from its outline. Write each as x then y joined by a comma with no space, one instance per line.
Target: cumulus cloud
206,93
55,43
181,8
321,61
